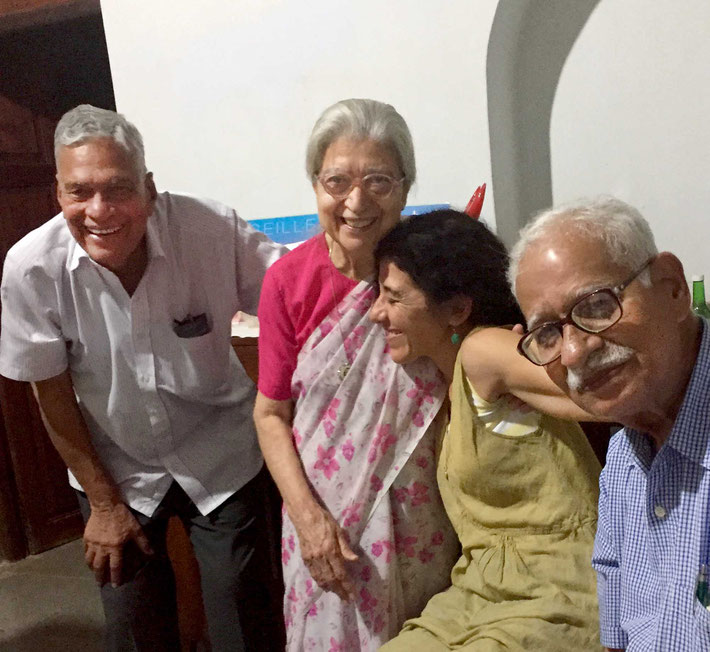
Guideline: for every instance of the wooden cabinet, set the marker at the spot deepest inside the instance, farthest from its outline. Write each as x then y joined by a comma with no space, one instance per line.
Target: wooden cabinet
46,505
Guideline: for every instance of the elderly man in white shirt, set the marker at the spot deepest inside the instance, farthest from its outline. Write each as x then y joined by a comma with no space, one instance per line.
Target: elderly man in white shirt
118,310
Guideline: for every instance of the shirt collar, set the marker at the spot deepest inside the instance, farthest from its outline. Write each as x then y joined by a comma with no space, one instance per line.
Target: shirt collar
153,235
691,431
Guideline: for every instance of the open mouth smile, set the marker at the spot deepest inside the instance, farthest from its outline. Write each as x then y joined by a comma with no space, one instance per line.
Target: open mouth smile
103,232
358,223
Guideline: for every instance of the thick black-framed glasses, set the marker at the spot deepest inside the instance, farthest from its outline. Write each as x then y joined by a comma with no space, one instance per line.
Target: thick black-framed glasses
592,313
376,184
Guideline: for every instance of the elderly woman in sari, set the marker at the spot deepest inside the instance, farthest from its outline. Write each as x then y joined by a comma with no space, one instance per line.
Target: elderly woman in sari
348,435
520,487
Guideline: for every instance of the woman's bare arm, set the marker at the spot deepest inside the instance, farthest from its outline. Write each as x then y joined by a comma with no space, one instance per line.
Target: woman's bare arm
494,367
324,546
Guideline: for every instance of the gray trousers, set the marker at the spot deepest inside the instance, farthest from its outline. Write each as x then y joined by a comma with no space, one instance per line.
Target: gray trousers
231,546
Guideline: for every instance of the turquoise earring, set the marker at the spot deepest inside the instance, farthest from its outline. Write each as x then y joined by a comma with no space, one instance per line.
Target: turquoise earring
456,339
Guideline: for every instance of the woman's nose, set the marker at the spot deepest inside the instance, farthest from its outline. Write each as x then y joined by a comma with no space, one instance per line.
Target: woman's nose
376,311
356,198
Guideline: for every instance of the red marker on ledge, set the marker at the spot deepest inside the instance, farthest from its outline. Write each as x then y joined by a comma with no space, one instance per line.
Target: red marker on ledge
473,208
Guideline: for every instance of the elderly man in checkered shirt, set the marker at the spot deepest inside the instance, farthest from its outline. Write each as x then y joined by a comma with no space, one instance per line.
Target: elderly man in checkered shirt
609,317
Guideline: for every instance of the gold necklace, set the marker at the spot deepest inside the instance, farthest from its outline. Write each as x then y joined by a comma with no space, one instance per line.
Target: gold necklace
345,367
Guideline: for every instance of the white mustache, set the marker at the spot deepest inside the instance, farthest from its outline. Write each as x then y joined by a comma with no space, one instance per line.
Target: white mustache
610,356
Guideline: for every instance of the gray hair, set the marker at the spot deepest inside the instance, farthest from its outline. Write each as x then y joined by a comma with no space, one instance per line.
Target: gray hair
618,227
362,119
85,122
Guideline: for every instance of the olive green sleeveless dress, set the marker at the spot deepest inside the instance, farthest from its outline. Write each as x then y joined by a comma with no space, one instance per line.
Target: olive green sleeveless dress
521,490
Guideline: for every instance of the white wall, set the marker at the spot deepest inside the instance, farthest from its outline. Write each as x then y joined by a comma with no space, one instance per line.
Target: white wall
225,93
631,118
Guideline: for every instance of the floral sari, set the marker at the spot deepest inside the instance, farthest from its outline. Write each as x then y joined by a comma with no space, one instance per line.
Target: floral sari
367,443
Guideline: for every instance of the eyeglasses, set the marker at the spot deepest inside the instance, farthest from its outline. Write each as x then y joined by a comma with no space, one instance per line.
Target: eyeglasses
592,313
377,184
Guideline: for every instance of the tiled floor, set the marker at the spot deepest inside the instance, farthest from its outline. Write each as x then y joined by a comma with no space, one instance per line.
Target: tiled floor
50,603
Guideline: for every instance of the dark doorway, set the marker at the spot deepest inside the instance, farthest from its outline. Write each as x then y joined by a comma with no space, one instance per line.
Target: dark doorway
52,59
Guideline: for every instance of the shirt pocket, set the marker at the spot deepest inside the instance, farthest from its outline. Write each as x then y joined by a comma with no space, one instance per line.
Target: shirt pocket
200,365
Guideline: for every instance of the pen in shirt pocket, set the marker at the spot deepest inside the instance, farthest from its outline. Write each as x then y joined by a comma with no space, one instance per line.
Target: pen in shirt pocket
701,590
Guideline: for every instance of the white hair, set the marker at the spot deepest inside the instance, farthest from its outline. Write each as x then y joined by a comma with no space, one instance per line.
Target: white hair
85,123
362,119
619,228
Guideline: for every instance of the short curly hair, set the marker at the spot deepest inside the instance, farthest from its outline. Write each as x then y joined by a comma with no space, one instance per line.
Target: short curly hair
448,254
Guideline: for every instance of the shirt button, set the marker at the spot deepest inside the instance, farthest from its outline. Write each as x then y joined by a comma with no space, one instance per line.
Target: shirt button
660,511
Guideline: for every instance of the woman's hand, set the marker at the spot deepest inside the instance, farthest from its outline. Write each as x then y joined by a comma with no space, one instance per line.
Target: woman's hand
325,551
324,545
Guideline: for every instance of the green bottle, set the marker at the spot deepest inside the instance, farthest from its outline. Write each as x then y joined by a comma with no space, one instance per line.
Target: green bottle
699,305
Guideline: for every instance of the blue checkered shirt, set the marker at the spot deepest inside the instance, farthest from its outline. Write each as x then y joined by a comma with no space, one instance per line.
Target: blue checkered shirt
654,530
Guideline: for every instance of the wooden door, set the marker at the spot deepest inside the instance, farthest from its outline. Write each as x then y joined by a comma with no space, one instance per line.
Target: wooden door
45,71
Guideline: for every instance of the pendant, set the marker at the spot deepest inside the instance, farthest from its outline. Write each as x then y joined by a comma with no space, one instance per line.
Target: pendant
343,370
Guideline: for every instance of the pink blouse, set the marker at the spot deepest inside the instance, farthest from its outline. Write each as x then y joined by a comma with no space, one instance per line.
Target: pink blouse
298,293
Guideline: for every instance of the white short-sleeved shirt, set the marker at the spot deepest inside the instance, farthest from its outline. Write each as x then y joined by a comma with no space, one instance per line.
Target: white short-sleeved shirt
159,407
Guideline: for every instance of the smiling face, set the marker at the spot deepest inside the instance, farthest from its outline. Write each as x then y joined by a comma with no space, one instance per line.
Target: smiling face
629,368
106,203
414,328
356,222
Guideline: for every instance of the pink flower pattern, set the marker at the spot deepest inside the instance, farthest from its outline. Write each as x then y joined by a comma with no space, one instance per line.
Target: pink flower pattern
425,555
325,462
368,462
378,623
353,342
351,514
368,601
331,412
405,545
400,494
422,391
296,436
348,450
419,493
378,547
383,440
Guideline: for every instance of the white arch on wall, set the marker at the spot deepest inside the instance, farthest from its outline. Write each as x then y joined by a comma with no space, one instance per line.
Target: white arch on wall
527,49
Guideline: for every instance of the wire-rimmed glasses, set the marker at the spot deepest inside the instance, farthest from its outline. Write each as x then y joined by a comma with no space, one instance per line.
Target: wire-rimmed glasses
375,184
592,313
